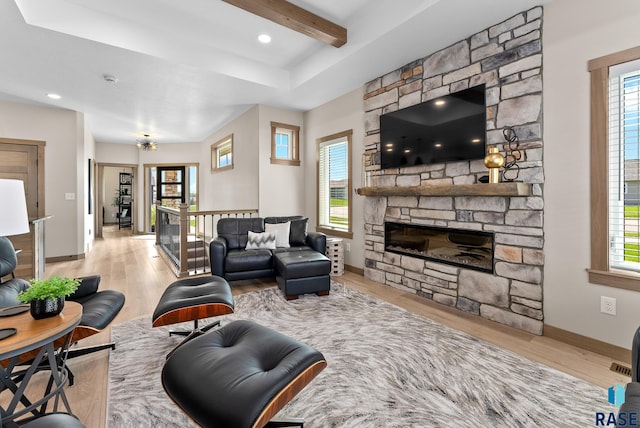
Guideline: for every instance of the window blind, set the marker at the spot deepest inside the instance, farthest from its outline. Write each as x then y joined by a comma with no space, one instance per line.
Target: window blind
225,155
624,166
333,185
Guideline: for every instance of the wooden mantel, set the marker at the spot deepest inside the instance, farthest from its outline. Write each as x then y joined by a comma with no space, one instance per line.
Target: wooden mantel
480,189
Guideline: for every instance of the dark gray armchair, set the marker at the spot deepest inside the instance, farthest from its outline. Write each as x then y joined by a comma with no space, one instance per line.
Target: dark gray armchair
629,412
9,289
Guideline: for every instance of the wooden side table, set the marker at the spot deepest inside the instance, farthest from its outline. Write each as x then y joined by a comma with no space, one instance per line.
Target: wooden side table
48,340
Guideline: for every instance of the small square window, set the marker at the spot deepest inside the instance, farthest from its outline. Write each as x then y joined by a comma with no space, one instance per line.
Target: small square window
285,144
222,154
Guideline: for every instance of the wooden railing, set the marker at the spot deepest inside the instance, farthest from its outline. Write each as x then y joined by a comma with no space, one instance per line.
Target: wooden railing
183,236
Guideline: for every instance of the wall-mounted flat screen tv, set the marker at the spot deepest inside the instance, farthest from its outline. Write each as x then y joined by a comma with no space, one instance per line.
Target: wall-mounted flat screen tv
446,129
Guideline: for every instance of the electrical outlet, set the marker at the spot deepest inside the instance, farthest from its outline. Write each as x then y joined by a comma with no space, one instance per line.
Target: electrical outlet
348,246
608,305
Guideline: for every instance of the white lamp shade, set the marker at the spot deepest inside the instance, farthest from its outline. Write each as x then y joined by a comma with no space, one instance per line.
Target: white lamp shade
13,214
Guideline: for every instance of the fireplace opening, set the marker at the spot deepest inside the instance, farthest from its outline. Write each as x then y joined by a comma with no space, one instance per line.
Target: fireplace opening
465,248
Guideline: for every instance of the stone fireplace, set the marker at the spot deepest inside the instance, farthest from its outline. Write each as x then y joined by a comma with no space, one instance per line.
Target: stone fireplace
457,247
507,58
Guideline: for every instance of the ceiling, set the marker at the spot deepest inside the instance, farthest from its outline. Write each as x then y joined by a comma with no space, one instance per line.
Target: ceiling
186,68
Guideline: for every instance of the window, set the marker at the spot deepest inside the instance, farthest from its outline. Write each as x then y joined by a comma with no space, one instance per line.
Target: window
334,184
284,144
222,154
615,170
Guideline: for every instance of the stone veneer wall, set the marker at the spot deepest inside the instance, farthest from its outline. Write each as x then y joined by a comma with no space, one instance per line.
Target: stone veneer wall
507,57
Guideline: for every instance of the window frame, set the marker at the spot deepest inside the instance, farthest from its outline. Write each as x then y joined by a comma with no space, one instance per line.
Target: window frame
215,154
600,271
348,233
294,158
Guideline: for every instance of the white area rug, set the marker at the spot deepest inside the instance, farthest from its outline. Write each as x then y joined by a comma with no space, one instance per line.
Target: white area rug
386,368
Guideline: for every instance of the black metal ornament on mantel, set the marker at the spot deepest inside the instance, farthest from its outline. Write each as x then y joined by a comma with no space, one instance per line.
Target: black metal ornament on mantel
513,155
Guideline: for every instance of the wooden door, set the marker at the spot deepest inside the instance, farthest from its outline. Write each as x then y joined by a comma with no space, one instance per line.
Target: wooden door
24,160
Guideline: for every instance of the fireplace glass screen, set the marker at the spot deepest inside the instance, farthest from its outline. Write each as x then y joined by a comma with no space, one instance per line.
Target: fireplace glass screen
466,248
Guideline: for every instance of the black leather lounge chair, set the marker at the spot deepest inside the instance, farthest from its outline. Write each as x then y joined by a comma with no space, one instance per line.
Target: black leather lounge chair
630,410
54,420
99,308
10,288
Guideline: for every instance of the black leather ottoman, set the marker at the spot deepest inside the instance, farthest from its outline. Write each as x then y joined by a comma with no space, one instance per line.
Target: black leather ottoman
239,375
191,299
301,272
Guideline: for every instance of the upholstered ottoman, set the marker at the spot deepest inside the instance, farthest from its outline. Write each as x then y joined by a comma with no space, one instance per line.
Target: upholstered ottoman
239,375
301,272
192,299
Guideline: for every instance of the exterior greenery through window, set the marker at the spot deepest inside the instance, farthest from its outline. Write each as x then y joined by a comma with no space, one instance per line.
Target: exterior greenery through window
615,170
285,144
222,154
624,175
334,184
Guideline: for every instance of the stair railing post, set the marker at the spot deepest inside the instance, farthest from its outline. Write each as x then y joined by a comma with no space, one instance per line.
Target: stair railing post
157,228
184,223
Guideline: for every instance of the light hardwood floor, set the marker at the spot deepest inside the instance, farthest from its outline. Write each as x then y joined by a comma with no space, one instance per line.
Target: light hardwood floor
131,264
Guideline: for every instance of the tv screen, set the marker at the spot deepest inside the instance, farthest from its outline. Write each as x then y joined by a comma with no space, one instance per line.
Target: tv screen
445,129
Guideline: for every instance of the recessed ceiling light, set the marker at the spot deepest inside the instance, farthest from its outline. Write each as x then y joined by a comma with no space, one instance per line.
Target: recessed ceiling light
437,145
476,140
264,38
54,96
389,145
439,102
389,150
407,150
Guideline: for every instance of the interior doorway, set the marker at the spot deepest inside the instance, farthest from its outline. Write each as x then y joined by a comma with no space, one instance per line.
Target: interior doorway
110,200
170,185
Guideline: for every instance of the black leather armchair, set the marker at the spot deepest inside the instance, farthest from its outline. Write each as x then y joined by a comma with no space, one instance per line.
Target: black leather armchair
99,308
10,288
630,409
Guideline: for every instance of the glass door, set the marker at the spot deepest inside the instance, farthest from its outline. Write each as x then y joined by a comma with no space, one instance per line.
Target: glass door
171,187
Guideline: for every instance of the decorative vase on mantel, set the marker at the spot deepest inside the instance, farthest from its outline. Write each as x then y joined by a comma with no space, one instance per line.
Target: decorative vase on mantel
45,308
493,161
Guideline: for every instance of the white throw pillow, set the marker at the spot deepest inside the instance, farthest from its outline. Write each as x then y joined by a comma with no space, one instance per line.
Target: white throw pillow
282,233
257,241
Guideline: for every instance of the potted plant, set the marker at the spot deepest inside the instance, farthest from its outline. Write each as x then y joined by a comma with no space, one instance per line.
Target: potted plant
46,296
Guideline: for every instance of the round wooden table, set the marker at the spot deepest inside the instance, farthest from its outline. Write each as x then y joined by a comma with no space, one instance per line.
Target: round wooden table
36,342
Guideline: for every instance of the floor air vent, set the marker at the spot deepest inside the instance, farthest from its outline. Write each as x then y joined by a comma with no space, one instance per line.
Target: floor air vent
619,368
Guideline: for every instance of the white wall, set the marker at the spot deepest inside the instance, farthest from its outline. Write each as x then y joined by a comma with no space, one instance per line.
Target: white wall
65,163
341,114
236,188
576,31
281,186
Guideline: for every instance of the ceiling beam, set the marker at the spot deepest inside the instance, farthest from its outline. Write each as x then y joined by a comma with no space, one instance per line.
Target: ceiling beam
294,17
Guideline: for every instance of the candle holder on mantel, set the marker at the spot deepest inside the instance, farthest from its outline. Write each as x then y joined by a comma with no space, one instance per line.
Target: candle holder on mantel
494,161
